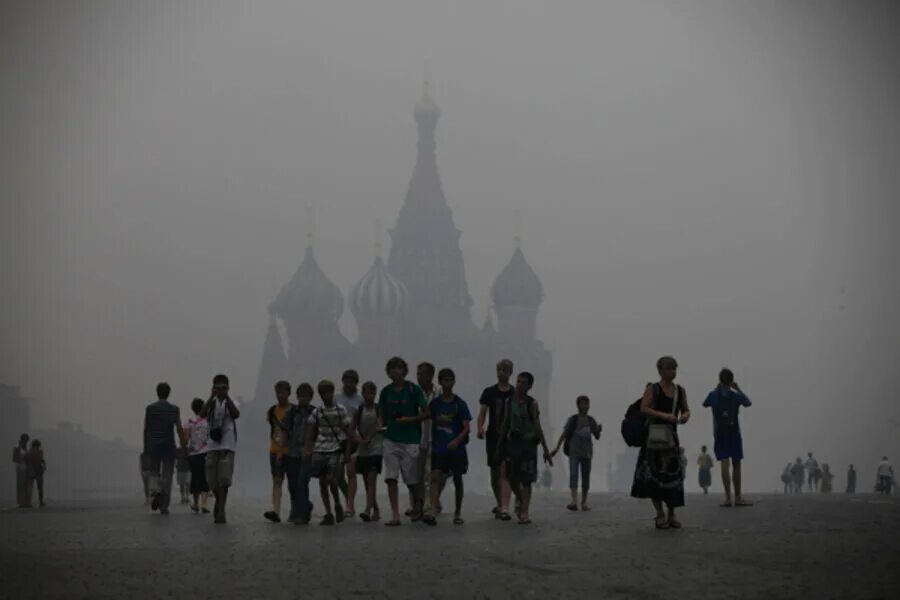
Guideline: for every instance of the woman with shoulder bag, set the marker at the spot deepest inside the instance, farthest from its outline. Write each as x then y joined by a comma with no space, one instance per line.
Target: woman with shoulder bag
659,474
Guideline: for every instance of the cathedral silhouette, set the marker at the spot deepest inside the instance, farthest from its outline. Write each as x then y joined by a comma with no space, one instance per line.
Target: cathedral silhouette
416,305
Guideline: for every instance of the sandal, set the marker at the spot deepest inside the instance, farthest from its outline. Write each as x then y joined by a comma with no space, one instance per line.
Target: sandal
585,507
457,520
661,523
674,523
504,516
349,513
572,506
725,505
743,503
429,520
365,517
525,521
393,523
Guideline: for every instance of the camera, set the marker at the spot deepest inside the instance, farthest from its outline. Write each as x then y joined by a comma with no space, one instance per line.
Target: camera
215,434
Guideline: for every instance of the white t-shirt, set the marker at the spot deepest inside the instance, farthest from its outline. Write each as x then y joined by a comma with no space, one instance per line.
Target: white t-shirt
221,418
350,403
884,469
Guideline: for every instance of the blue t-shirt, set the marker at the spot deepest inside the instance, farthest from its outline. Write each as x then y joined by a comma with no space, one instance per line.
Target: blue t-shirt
448,418
725,404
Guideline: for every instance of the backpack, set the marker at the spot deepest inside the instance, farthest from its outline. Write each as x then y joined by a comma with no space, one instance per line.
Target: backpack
515,434
634,425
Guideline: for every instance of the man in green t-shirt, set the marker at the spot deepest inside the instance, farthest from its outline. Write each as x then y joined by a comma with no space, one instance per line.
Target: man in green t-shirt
401,410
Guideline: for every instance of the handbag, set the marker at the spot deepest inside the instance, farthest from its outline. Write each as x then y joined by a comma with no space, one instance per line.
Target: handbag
661,436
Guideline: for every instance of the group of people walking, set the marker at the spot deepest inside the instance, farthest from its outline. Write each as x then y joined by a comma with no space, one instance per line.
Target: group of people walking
30,466
816,478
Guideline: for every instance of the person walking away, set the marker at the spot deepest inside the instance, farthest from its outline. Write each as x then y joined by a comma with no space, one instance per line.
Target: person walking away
659,474
451,422
18,456
329,444
787,479
351,400
885,476
278,447
705,464
298,462
369,453
492,403
197,433
827,479
725,402
851,480
577,443
222,414
797,472
522,432
401,410
812,472
183,474
36,466
162,421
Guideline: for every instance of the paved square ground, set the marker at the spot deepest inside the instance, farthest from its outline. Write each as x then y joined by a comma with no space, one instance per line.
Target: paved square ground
783,547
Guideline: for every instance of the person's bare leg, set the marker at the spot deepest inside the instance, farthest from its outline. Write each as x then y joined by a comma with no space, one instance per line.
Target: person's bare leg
369,479
276,495
435,490
495,485
660,515
574,492
525,497
351,485
325,494
458,492
505,489
736,476
393,499
726,479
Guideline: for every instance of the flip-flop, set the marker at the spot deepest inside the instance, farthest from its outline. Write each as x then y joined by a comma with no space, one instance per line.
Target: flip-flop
674,523
524,521
585,507
393,523
661,523
458,521
743,504
504,516
572,506
429,520
365,517
725,505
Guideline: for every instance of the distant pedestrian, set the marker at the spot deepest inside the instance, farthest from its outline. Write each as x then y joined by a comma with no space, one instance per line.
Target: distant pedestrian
451,421
659,474
369,451
577,442
298,462
162,421
797,475
851,480
183,474
222,414
885,476
705,464
197,434
328,443
36,466
522,432
725,402
401,409
812,472
787,479
18,457
278,445
350,398
827,479
493,401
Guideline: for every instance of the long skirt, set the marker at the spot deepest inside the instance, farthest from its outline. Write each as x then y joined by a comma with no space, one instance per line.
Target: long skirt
659,475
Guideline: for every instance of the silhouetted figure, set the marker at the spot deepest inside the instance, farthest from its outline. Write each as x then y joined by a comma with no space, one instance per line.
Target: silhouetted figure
725,402
19,452
787,479
162,420
797,474
144,465
221,412
705,465
851,480
827,479
813,474
35,468
885,476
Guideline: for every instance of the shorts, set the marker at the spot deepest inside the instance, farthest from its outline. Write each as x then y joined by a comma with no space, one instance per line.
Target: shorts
450,462
276,467
494,457
326,464
401,459
521,461
219,468
198,473
367,464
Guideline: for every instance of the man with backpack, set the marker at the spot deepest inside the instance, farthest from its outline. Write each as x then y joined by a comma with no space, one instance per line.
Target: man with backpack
401,410
522,432
725,402
578,445
328,440
451,421
276,417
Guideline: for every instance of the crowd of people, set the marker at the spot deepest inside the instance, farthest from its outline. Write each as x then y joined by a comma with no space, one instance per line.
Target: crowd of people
819,478
30,467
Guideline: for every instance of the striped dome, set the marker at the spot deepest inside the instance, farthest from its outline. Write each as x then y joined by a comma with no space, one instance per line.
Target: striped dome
309,294
378,292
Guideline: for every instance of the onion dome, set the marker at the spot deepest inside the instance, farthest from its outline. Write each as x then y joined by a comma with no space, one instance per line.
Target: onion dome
378,292
517,284
309,294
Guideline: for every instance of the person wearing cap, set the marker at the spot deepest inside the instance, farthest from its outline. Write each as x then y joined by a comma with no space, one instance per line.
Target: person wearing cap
350,398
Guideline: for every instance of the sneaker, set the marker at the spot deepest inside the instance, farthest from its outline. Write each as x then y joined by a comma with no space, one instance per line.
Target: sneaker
154,505
429,520
272,516
328,519
195,508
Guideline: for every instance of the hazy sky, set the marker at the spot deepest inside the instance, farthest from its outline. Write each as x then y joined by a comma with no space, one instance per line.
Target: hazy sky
714,180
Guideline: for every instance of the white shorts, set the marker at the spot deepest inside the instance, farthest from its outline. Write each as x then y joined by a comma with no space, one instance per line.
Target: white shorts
401,458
